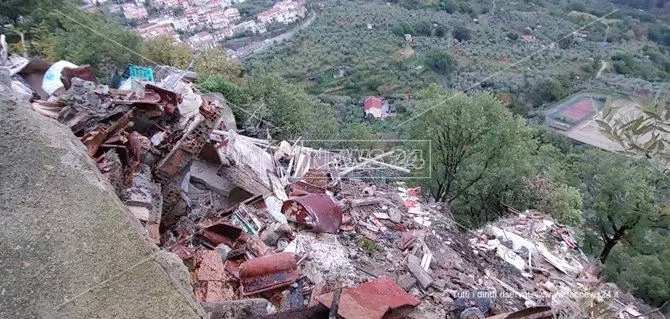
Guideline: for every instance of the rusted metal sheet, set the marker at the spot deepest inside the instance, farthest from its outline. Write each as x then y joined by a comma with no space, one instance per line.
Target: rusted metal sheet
317,211
169,99
93,139
221,233
83,72
268,272
370,300
300,188
316,177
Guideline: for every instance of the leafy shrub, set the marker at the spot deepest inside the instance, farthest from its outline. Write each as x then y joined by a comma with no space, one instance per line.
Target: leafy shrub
461,33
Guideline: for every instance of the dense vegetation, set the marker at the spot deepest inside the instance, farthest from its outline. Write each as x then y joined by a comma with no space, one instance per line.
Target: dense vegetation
485,154
366,40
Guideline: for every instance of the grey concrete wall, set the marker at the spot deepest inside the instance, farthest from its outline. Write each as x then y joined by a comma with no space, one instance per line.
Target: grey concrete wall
68,249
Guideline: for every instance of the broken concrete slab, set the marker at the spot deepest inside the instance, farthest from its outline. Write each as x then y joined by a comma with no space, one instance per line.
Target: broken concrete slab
248,164
206,173
414,265
511,257
328,260
406,281
143,197
69,249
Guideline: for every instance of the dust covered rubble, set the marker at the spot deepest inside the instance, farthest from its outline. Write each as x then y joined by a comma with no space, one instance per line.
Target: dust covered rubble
272,230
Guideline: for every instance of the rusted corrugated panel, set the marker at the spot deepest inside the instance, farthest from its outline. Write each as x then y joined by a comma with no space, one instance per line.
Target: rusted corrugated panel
169,99
370,300
317,211
83,72
304,188
268,272
221,233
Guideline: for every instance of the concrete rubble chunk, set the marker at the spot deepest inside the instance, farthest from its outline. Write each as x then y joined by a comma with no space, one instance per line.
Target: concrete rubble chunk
414,265
406,281
511,257
248,164
239,309
206,173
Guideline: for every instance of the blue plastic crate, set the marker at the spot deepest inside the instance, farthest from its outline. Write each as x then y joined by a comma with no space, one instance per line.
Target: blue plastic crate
141,73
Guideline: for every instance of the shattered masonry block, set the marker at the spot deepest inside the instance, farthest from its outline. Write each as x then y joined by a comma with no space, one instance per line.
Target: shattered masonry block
190,144
140,189
175,203
209,265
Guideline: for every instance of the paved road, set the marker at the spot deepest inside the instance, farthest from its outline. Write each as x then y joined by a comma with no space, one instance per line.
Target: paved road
259,46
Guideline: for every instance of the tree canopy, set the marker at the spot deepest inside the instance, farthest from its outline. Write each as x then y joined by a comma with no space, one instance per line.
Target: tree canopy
479,149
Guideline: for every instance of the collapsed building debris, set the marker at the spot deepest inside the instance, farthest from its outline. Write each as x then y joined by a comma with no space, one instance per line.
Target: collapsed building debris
275,230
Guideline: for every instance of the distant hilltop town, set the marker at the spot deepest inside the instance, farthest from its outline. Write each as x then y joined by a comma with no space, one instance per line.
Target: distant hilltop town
200,23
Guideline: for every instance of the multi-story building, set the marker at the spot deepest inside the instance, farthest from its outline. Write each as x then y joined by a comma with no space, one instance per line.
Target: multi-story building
202,41
232,14
216,18
197,3
250,26
283,12
223,34
151,30
180,23
219,3
172,4
134,11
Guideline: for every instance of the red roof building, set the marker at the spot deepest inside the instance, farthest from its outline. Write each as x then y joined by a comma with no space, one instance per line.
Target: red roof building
373,105
372,102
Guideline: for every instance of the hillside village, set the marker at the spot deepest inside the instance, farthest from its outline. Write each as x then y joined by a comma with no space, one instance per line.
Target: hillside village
210,21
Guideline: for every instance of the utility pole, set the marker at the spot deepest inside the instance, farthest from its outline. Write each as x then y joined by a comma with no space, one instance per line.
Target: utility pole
607,32
493,8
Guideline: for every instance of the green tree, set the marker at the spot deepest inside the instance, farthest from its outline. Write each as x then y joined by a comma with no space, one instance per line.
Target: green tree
660,35
513,36
643,272
565,43
266,103
548,91
440,31
164,50
461,33
216,62
441,62
479,149
423,28
619,198
58,30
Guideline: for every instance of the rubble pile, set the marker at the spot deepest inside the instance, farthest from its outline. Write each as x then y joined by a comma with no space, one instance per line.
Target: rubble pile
273,230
